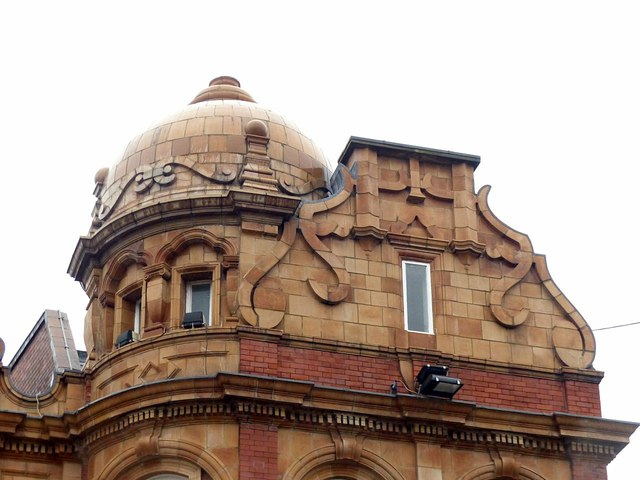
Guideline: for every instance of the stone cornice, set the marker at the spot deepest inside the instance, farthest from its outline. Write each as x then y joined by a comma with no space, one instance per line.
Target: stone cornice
145,221
228,397
36,448
585,429
420,244
418,355
9,421
407,151
273,207
172,337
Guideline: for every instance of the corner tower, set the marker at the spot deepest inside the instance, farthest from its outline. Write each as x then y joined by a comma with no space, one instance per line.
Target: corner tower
185,214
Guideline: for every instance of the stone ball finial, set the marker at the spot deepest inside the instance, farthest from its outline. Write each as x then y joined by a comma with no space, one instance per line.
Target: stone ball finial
101,175
256,127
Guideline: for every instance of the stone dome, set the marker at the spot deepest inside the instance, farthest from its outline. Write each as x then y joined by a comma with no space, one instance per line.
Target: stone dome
200,151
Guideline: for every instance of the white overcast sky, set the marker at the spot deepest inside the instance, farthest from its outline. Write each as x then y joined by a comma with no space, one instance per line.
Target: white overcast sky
546,92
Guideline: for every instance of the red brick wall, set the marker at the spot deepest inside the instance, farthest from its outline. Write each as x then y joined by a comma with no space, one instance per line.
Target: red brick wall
260,358
583,398
338,369
258,451
511,391
31,373
324,368
376,375
584,469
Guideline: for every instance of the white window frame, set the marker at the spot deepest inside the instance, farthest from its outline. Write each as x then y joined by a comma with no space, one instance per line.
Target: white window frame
137,316
426,292
189,297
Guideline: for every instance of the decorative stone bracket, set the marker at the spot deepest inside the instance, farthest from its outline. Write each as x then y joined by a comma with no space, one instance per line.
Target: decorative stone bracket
312,231
247,302
522,259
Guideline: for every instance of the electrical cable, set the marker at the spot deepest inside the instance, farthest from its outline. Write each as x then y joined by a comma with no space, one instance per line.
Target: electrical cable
615,326
407,387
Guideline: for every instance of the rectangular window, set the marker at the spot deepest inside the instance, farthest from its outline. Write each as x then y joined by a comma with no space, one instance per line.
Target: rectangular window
199,298
129,314
416,286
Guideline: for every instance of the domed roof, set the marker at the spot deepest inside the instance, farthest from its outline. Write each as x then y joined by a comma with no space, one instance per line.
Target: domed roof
200,151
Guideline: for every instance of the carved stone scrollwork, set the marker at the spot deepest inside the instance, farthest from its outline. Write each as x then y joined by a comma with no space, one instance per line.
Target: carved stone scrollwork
413,182
286,185
573,342
312,231
158,270
574,346
410,215
247,302
521,258
148,175
224,174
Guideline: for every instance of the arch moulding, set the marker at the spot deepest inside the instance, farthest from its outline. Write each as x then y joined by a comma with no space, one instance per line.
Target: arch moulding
118,266
505,469
323,463
196,235
181,458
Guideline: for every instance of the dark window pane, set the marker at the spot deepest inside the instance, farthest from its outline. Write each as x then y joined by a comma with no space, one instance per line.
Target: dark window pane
416,293
201,298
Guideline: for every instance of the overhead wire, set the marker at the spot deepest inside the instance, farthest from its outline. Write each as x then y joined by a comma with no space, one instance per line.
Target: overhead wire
615,326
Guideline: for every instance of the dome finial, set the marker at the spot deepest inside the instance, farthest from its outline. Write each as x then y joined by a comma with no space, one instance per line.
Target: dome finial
223,88
225,80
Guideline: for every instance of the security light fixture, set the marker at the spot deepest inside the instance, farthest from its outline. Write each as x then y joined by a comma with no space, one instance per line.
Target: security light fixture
434,382
193,320
429,369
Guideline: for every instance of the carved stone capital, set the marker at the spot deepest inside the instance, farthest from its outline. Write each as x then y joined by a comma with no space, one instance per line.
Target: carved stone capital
230,261
159,270
92,286
107,299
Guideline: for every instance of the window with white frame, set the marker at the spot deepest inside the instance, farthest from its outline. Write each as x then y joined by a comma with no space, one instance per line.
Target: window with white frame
416,288
198,298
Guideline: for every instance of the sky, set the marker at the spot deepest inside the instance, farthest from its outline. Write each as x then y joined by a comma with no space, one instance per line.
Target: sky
546,92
